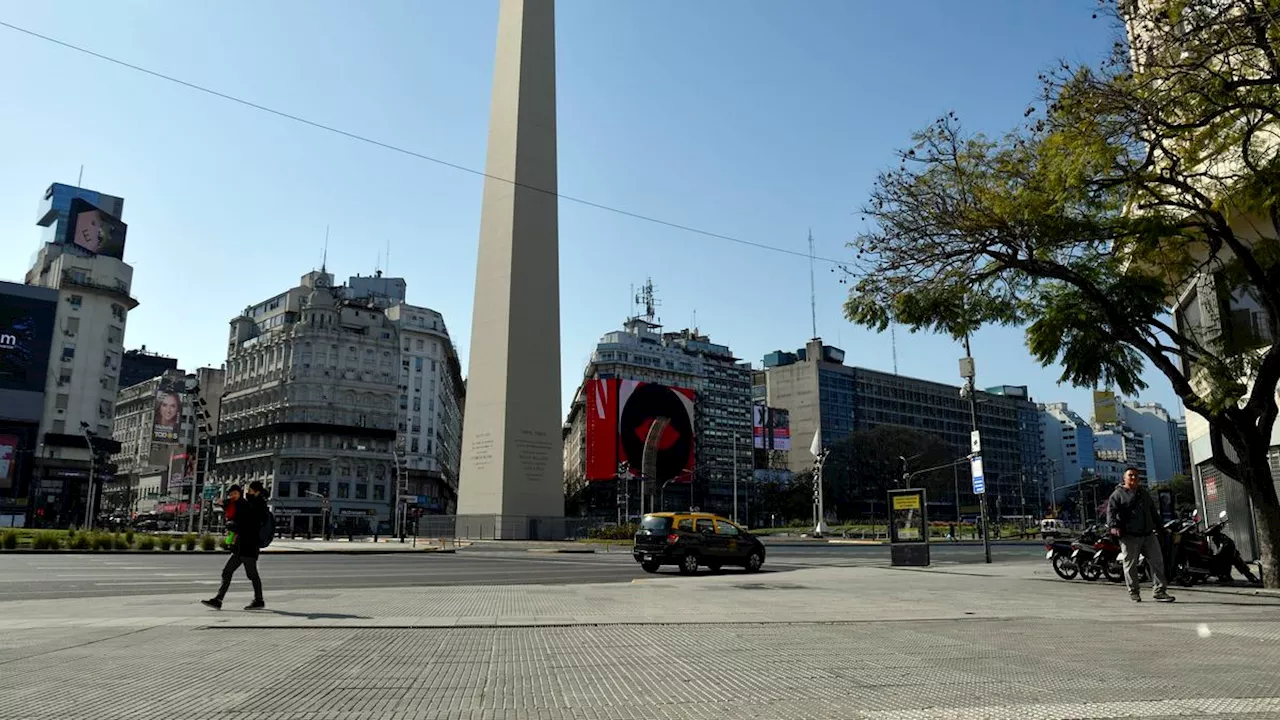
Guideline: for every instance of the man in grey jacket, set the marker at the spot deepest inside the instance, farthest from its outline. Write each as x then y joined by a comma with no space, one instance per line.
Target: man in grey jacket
1132,515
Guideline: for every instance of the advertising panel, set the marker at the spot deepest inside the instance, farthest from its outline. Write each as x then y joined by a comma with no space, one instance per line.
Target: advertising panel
1105,408
8,460
602,432
772,428
96,231
167,418
619,415
26,334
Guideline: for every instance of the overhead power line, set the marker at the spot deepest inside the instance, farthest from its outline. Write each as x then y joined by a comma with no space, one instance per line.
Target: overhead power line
404,151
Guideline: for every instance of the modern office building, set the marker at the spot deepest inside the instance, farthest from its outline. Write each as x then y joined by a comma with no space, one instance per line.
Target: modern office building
81,259
1117,449
1068,449
686,359
1163,438
27,320
821,392
312,387
138,365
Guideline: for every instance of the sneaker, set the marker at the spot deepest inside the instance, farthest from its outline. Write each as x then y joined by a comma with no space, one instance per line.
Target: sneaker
215,603
1163,596
1135,597
255,605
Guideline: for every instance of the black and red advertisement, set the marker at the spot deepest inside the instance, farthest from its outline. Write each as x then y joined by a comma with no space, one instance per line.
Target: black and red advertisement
620,414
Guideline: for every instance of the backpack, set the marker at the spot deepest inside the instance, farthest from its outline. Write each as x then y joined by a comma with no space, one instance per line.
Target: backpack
267,530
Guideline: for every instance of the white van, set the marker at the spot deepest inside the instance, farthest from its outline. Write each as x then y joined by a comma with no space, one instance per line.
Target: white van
1053,528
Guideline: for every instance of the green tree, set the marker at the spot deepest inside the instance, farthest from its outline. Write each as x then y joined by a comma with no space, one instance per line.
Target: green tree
1151,175
1184,493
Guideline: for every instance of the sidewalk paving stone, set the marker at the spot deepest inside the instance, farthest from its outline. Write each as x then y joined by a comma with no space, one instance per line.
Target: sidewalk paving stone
988,643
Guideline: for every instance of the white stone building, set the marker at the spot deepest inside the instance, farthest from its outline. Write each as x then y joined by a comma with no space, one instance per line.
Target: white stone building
311,407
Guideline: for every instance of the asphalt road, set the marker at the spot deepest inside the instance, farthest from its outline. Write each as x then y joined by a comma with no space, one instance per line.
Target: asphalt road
49,576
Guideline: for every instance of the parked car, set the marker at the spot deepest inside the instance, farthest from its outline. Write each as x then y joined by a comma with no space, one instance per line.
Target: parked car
690,539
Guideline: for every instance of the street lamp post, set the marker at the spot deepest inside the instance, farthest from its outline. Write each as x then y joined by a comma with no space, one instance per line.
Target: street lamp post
967,371
93,457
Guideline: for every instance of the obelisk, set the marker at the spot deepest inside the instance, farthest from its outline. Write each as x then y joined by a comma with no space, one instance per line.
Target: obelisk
512,477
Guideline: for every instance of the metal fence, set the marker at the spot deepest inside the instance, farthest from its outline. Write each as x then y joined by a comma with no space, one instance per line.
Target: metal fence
504,527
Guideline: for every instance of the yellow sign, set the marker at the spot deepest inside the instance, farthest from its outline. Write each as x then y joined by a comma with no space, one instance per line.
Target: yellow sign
906,502
1105,409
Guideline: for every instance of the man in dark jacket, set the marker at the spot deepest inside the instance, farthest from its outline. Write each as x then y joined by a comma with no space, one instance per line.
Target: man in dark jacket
1132,515
247,516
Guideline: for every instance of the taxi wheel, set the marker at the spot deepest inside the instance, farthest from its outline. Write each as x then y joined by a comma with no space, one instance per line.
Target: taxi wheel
754,561
689,564
650,567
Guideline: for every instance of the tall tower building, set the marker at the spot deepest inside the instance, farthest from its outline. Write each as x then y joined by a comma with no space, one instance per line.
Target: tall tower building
82,258
511,461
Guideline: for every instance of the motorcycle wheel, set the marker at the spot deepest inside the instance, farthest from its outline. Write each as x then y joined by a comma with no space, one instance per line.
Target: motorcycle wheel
1063,566
1114,572
1090,571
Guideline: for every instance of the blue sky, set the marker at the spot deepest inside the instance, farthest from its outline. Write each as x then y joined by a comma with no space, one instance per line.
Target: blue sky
748,118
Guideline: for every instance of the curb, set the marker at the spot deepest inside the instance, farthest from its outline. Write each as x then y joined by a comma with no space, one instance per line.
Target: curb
448,551
565,551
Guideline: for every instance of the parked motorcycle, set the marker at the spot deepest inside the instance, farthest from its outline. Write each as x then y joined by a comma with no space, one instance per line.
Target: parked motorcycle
1197,555
1059,556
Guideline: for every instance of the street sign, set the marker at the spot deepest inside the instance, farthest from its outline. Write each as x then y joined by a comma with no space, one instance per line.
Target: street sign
975,469
975,442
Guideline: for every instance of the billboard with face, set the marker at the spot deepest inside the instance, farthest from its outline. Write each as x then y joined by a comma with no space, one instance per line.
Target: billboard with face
96,231
167,421
26,333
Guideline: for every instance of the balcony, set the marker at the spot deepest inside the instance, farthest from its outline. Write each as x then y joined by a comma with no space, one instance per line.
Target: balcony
78,278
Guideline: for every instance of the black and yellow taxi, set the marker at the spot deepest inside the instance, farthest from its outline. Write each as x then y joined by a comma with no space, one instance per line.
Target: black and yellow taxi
690,539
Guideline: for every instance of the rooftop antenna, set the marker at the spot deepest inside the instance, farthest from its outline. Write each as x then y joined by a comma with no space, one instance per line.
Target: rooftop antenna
695,321
386,259
80,177
324,259
813,293
893,339
647,299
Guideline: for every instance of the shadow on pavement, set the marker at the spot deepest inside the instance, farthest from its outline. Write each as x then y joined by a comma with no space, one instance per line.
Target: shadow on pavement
317,616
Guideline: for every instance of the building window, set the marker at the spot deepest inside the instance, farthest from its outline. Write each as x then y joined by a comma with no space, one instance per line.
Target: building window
344,490
362,491
64,379
68,352
417,364
282,489
118,312
323,489
413,446
60,402
304,489
76,301
379,492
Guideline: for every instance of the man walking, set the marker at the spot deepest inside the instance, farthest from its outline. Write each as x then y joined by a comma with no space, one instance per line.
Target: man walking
247,516
1132,515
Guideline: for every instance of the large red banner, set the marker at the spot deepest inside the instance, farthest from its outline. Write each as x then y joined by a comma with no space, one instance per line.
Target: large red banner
620,414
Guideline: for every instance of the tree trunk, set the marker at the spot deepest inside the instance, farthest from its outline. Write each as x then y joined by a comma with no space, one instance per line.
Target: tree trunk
1266,507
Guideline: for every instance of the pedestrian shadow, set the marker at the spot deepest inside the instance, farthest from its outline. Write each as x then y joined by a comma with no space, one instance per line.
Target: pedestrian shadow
317,615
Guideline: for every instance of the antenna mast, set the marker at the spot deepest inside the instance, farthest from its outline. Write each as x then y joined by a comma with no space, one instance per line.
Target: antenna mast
893,338
324,261
813,293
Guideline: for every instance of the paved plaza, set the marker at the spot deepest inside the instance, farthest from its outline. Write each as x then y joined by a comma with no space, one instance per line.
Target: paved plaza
992,642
